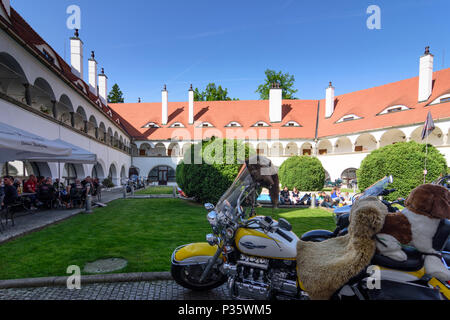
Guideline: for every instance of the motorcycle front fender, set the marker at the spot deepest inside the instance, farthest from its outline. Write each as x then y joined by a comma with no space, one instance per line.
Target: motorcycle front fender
194,253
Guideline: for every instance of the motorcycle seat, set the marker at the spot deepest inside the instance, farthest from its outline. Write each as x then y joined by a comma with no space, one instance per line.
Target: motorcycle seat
413,263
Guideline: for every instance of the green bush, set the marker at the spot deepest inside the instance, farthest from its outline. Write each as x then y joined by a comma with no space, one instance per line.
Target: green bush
304,172
108,183
206,182
405,162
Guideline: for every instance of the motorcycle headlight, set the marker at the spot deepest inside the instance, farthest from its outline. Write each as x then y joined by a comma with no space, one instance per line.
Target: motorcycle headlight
212,218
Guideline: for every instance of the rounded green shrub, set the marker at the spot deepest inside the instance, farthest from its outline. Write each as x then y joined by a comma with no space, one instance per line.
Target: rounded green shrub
304,172
210,167
405,162
107,182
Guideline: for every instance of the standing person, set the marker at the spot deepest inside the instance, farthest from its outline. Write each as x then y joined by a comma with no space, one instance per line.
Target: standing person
76,191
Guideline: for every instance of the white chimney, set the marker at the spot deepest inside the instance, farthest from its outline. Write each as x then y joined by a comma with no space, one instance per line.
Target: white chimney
426,75
165,102
329,101
7,6
275,103
93,74
191,105
76,55
103,86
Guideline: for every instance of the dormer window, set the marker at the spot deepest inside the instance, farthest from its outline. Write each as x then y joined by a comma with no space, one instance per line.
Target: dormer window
151,125
292,124
349,117
177,125
393,109
261,124
48,57
48,54
206,125
442,99
233,124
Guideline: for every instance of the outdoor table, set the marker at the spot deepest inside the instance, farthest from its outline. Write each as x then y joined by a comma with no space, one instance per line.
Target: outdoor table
22,197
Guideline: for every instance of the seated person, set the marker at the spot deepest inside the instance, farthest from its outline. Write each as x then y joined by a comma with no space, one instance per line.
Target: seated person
76,191
319,198
285,197
327,202
295,198
30,186
346,200
9,192
46,192
335,196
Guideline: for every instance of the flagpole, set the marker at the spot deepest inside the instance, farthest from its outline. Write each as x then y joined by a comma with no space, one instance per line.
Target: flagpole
426,155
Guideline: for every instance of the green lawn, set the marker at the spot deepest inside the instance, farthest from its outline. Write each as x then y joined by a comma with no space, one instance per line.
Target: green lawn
156,190
143,231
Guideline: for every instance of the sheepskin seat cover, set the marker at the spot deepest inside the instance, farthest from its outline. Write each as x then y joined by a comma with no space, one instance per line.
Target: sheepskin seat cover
324,267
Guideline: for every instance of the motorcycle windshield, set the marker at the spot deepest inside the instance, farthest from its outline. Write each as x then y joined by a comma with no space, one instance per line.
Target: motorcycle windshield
228,203
376,189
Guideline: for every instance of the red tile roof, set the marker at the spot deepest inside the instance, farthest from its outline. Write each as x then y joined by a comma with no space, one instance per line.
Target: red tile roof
219,114
366,104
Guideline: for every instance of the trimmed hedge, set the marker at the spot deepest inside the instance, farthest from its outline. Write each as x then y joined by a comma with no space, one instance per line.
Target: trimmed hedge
405,162
304,172
206,182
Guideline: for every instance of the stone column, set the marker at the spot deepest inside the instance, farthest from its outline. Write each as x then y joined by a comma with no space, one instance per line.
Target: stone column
27,94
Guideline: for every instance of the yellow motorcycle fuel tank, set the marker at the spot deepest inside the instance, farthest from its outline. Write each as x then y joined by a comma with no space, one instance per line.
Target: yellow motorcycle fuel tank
257,242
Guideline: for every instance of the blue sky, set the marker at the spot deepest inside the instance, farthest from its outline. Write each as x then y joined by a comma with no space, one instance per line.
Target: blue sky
145,44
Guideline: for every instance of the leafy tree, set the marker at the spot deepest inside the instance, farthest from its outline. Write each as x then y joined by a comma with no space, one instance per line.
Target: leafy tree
212,93
207,181
285,80
405,162
115,95
304,172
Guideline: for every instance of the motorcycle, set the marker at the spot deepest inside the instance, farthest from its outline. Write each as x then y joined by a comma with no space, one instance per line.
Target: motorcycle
256,257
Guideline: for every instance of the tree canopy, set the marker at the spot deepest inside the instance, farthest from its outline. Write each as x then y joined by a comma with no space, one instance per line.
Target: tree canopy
212,93
115,95
220,163
285,80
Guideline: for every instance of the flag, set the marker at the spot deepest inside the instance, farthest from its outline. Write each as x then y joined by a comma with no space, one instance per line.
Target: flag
428,127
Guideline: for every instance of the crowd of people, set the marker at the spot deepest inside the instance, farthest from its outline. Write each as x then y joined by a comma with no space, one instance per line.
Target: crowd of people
43,192
335,199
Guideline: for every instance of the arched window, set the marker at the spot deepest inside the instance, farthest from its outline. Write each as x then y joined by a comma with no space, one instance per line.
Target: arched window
70,173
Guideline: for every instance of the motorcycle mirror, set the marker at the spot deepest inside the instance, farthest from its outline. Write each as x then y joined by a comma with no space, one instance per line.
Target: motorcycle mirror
209,207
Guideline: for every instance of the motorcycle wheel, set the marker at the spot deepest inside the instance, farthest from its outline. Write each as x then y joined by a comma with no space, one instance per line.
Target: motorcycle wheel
188,276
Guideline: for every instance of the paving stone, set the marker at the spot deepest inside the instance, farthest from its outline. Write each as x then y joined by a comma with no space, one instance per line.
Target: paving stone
157,290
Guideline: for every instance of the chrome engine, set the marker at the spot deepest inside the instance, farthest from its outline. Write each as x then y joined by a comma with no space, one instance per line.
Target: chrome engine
259,279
